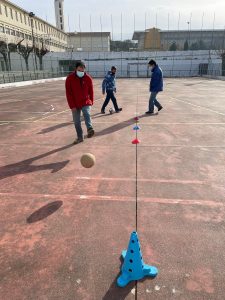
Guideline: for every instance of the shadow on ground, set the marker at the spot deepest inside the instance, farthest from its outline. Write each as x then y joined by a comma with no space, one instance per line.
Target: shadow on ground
44,212
25,166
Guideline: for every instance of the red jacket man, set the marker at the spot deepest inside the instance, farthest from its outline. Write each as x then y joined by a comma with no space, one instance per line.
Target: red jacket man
80,97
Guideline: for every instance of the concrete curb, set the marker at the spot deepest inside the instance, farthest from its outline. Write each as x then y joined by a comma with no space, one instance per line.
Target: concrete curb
31,82
214,77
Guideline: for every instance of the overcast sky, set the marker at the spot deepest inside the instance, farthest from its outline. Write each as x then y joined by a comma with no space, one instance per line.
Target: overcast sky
148,13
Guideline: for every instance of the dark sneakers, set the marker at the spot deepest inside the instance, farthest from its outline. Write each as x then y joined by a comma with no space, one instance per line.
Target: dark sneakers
160,108
149,112
119,110
90,132
78,141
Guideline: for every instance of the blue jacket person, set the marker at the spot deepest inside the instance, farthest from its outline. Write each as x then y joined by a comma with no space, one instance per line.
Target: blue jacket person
156,86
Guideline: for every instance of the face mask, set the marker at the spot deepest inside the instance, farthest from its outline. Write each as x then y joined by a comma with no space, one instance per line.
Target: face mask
80,74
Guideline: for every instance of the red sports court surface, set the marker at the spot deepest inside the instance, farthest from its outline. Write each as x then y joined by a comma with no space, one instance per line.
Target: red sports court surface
63,227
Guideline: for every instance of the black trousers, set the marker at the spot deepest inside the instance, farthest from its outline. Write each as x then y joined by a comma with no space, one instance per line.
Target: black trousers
110,96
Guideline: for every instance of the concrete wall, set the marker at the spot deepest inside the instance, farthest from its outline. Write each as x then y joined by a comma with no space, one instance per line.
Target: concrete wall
129,64
134,64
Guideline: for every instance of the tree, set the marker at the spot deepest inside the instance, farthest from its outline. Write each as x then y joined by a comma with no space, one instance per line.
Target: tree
4,51
202,45
194,46
186,46
11,48
24,51
40,53
173,46
126,45
223,62
221,53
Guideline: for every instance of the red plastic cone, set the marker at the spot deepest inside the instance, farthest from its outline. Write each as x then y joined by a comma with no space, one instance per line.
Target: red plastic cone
136,141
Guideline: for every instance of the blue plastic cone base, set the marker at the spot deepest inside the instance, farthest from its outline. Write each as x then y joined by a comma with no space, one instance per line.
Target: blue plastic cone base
136,127
134,267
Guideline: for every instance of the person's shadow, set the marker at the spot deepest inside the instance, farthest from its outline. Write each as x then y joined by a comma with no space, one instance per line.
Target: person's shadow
25,166
55,127
122,125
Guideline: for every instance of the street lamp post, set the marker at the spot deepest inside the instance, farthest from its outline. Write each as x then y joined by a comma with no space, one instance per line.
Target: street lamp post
189,33
31,15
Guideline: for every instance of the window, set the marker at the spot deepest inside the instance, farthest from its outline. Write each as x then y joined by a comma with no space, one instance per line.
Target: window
6,11
11,13
36,24
26,36
0,9
18,33
61,20
13,32
7,30
60,6
61,27
2,29
16,15
21,18
25,19
29,21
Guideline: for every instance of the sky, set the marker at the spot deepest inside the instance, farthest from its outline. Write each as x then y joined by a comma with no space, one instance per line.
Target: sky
97,15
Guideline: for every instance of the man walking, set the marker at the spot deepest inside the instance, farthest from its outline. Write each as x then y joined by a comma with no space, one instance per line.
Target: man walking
80,97
156,86
109,86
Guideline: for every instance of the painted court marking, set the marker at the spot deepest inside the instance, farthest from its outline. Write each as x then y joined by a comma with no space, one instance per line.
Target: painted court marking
145,180
70,197
198,106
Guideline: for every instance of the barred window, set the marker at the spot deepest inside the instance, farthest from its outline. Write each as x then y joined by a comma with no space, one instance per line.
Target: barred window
6,11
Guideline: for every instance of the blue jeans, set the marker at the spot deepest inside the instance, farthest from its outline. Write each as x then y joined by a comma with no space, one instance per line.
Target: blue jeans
153,101
110,95
86,110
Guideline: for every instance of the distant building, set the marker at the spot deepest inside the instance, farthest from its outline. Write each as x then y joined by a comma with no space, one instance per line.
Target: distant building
89,41
16,25
156,39
59,14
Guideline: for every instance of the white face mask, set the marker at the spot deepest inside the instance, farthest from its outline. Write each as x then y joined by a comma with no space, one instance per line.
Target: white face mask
80,74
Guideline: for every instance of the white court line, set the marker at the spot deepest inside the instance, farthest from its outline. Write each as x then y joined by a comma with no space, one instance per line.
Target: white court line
198,106
52,115
25,112
30,118
69,197
145,180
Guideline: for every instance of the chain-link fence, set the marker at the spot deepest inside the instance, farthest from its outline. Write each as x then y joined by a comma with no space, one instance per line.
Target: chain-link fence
129,64
180,50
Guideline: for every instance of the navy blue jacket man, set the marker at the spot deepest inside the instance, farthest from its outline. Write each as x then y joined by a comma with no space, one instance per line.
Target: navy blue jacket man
156,86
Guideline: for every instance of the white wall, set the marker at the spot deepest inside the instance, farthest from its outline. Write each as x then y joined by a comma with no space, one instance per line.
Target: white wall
131,64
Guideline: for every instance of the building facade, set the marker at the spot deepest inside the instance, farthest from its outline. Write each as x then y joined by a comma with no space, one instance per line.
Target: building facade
156,39
18,25
89,41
